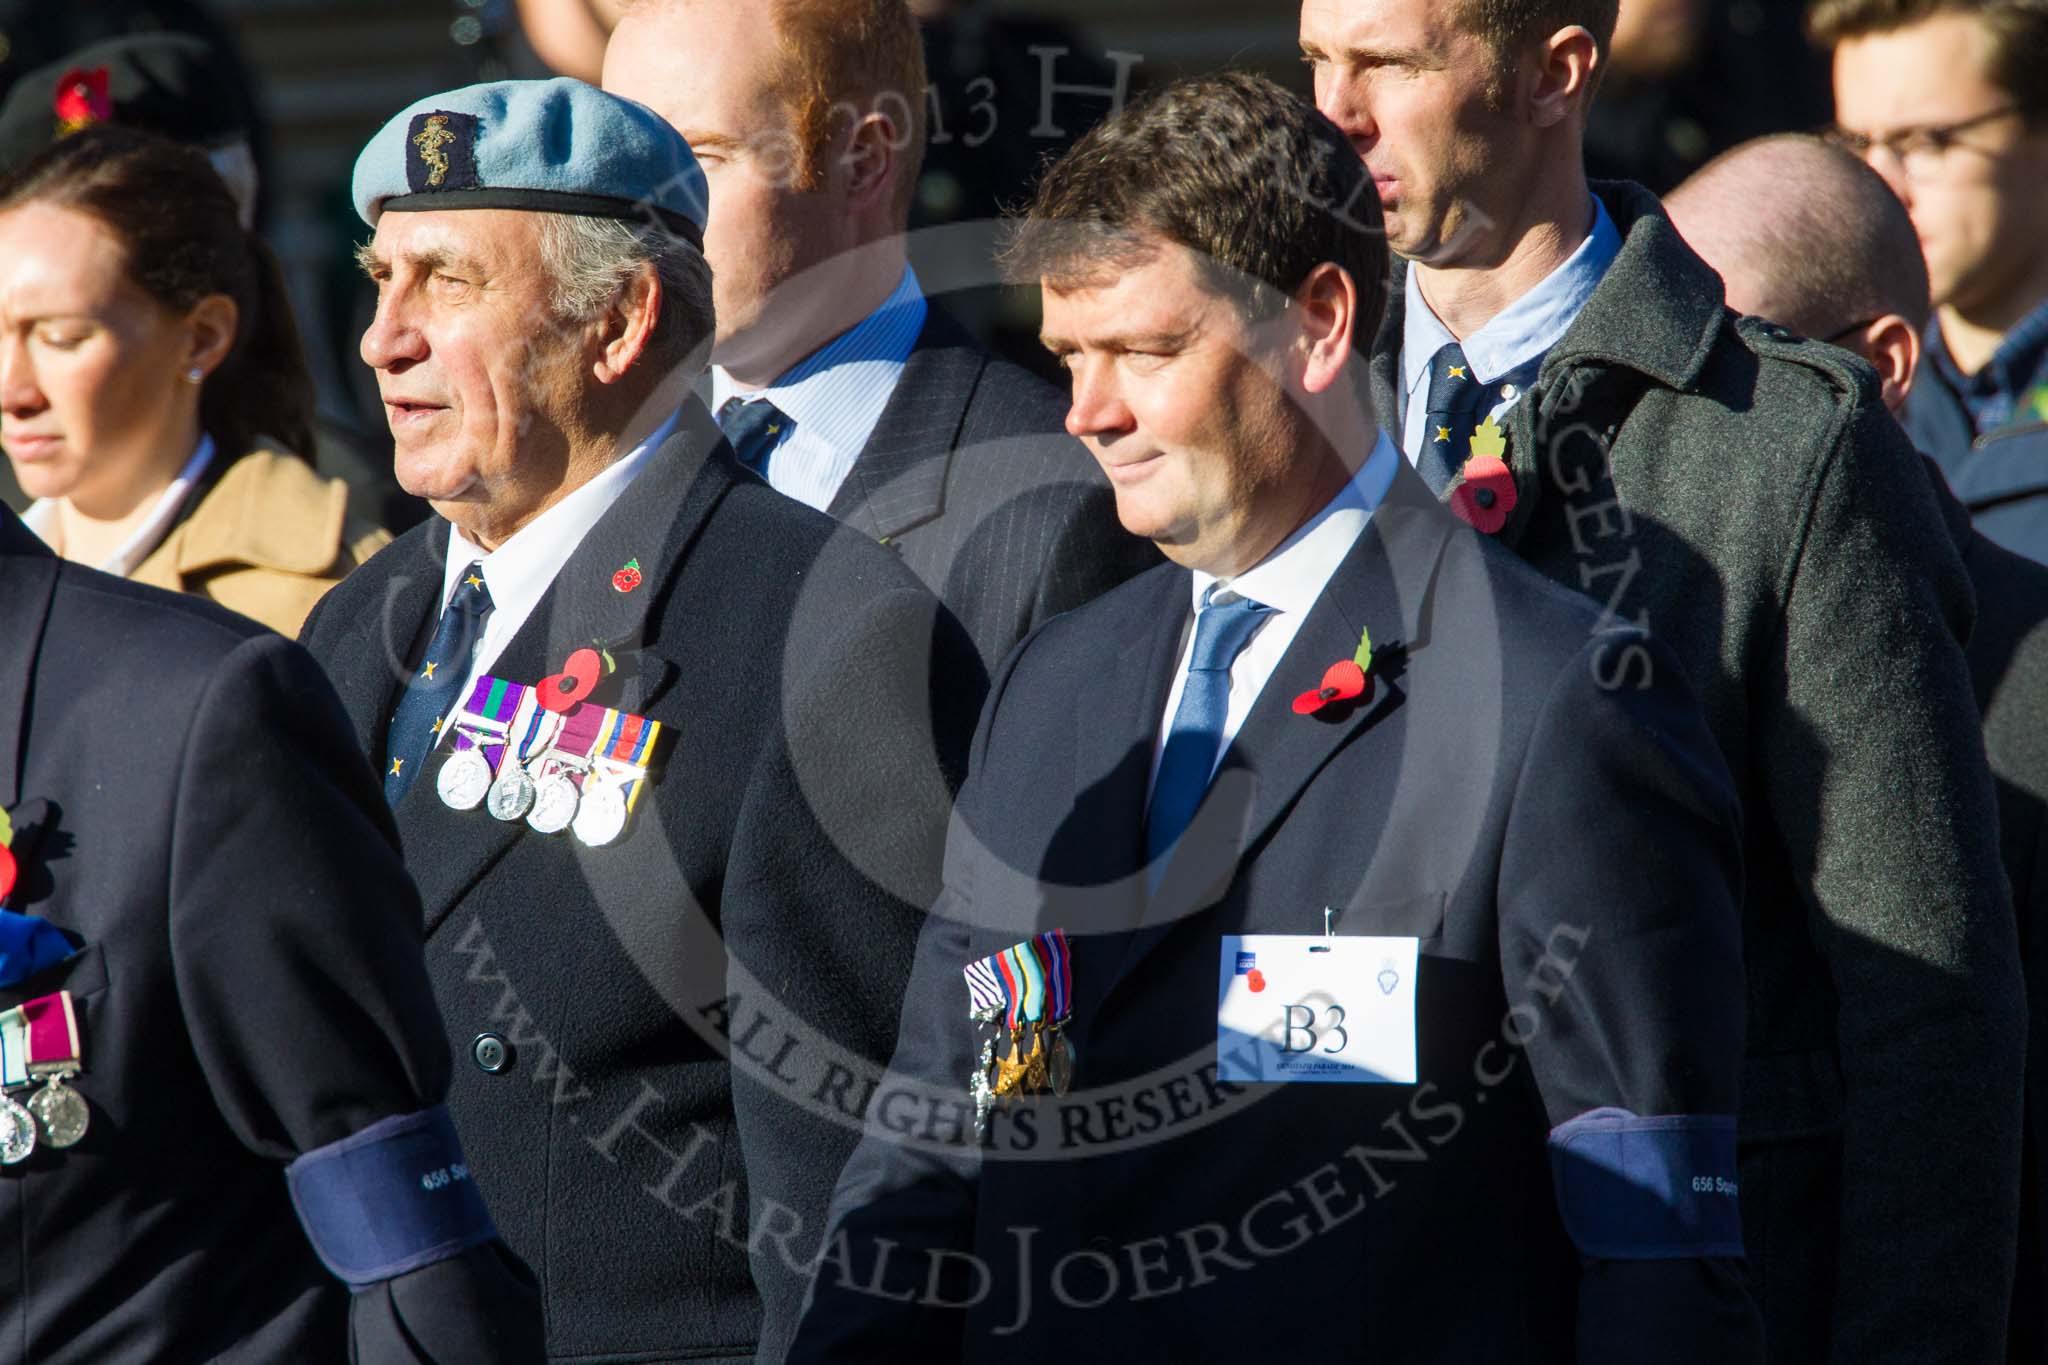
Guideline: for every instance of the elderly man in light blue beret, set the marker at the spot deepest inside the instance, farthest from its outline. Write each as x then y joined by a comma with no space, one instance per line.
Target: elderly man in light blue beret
670,755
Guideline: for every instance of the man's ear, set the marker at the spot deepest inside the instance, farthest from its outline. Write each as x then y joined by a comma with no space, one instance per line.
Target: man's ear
1892,346
1326,310
873,157
627,327
1564,81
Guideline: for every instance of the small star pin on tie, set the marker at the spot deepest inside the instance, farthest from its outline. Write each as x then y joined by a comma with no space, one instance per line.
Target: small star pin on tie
429,674
396,765
1443,433
1457,371
474,581
436,731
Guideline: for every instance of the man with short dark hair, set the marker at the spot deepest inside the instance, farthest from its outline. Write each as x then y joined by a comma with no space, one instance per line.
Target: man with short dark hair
1947,101
1745,496
833,375
1349,859
669,754
1811,238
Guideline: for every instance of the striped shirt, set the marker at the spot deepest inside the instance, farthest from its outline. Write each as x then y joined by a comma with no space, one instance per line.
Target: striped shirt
835,396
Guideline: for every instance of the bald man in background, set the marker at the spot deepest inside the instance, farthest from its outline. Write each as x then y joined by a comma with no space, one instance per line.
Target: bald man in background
1807,236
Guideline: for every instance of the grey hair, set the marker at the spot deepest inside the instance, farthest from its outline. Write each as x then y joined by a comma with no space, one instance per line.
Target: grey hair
589,260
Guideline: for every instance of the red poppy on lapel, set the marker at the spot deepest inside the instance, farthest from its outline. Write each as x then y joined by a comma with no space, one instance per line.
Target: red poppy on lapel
577,680
1346,681
8,870
628,578
1485,493
82,100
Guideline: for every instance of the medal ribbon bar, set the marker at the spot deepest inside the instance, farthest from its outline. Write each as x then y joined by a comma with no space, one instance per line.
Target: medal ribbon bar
52,1029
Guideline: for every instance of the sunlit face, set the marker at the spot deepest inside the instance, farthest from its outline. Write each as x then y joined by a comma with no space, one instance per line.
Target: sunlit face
714,70
1978,206
92,396
1183,406
1415,93
480,379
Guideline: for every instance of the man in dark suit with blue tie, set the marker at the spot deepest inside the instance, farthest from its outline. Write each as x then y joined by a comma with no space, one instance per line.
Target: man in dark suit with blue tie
670,755
1339,954
833,376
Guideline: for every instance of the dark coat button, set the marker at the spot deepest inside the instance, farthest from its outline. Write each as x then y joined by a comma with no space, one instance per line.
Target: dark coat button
491,1053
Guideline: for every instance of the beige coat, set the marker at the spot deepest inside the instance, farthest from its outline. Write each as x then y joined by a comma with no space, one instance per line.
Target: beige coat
268,540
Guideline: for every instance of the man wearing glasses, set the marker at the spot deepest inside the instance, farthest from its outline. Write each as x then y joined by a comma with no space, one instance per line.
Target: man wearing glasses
1947,101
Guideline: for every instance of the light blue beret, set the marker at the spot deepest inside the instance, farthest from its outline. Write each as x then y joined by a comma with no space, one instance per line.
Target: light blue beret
554,146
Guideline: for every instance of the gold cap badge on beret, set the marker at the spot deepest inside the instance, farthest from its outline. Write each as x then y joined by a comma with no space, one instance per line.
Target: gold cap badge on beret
441,152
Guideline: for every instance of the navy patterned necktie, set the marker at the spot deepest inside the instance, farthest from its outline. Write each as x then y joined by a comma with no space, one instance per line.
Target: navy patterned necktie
1196,737
754,427
429,698
1456,398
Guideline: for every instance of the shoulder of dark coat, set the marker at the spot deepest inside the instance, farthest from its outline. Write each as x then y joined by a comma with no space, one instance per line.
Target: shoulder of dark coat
364,586
1805,368
757,538
1117,618
161,644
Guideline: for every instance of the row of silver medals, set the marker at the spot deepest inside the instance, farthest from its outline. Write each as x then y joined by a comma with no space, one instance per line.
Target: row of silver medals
539,790
57,1109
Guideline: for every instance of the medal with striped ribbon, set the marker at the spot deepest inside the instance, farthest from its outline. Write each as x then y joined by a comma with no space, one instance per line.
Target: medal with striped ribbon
479,745
988,1002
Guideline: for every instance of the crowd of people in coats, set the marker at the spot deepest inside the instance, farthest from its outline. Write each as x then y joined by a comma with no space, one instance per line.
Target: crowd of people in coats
1470,784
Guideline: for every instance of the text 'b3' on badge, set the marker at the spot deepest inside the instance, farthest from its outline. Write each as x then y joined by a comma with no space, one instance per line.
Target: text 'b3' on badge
1329,1009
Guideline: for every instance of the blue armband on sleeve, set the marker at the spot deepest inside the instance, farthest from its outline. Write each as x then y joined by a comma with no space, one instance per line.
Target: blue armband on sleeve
393,1198
1640,1189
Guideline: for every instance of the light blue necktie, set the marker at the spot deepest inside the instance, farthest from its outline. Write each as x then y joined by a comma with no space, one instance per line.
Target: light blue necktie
1196,737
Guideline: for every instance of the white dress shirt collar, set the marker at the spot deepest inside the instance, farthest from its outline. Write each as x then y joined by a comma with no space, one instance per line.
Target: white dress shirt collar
41,517
834,397
518,572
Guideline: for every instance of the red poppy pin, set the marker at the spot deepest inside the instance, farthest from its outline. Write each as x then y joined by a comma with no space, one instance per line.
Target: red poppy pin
7,864
1485,491
628,578
577,680
1347,680
82,100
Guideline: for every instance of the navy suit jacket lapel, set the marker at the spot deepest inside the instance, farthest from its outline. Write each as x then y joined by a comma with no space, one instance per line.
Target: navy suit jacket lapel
1383,585
372,658
1116,722
899,481
28,581
655,523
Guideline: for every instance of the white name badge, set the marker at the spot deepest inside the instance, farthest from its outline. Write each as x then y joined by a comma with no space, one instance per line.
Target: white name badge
1335,1009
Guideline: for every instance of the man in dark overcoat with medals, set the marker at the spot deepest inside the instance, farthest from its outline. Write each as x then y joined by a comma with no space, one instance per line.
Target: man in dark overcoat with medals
221,1068
670,755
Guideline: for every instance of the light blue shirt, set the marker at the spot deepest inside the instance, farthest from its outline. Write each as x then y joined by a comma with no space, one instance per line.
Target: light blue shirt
834,397
1517,338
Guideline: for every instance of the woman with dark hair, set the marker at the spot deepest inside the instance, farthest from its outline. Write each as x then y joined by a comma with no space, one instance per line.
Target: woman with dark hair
154,397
